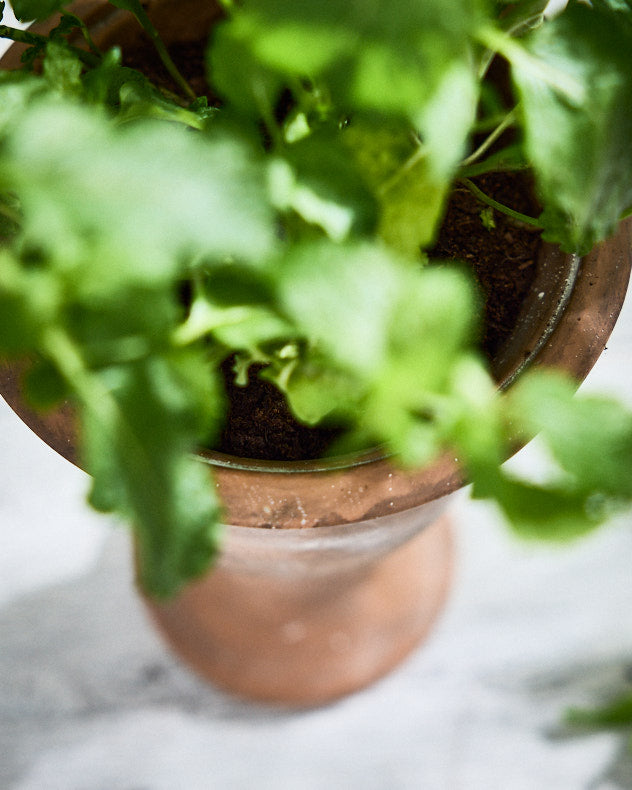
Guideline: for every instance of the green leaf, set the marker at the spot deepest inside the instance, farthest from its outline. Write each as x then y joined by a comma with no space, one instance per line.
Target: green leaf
27,10
623,6
544,513
319,181
397,168
517,17
402,62
590,441
62,69
589,436
236,74
412,206
168,194
315,388
18,91
28,300
44,387
129,5
617,713
404,329
358,308
136,442
580,150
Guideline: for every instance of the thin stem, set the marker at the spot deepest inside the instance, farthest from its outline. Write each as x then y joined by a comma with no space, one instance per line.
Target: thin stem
267,113
515,30
147,25
86,35
412,160
524,218
492,165
509,159
491,138
35,39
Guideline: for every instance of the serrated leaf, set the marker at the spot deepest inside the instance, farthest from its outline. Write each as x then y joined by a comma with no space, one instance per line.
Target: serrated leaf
18,90
358,308
315,388
538,512
319,181
398,170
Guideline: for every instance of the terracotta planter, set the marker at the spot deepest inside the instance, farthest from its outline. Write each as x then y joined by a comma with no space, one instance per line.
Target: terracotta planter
333,571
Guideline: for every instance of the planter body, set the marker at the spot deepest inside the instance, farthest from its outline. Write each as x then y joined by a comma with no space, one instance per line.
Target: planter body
333,571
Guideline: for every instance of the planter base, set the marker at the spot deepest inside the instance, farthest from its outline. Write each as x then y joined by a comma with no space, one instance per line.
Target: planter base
299,644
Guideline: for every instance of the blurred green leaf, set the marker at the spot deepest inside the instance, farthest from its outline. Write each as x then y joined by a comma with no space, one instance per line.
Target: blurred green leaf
617,713
62,69
135,444
580,150
44,387
27,10
589,436
28,300
167,194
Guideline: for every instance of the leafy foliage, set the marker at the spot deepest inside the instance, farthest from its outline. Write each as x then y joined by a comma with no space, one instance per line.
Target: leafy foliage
580,150
299,214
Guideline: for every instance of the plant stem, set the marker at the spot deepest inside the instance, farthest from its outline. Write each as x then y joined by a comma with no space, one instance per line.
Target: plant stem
86,35
412,160
34,39
491,138
507,160
267,113
524,218
147,25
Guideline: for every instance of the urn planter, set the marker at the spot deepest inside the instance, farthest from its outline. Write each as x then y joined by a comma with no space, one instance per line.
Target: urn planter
333,571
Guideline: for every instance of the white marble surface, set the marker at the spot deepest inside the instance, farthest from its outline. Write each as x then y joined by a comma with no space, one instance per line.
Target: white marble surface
91,700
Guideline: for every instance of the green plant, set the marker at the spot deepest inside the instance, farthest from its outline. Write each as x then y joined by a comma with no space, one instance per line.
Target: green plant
298,212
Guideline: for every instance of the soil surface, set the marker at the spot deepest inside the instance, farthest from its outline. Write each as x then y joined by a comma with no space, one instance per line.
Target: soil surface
503,258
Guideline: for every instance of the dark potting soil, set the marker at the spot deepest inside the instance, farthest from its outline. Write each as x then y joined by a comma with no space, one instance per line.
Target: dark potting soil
260,425
503,259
